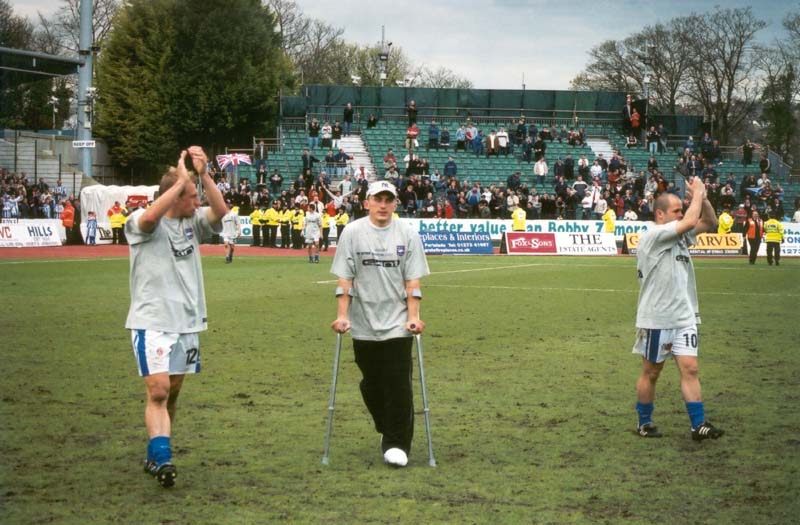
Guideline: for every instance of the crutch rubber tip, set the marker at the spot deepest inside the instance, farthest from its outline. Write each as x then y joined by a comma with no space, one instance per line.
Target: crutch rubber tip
325,461
432,463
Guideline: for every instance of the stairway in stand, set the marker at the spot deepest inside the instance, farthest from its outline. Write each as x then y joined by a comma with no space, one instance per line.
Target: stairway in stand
601,146
355,147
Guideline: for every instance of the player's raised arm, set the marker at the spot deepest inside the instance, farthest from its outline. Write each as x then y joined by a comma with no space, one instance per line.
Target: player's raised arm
218,209
691,218
176,181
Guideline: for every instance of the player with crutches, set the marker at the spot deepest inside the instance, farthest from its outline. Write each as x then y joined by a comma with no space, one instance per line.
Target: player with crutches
379,263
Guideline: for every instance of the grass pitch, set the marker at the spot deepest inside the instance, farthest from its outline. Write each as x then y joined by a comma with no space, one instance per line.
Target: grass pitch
530,382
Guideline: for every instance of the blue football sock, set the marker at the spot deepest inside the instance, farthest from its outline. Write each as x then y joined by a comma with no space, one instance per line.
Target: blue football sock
159,450
645,411
697,413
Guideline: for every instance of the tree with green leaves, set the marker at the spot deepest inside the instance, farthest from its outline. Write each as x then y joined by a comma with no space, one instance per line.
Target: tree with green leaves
180,72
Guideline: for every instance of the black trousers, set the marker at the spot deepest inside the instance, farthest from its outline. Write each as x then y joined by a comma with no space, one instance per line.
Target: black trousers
285,235
773,252
270,236
326,242
386,388
256,235
754,244
116,235
264,235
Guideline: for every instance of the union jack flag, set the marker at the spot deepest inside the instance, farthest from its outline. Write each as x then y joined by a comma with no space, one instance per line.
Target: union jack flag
233,159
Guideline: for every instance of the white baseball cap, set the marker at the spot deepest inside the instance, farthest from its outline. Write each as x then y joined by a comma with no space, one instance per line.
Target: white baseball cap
381,186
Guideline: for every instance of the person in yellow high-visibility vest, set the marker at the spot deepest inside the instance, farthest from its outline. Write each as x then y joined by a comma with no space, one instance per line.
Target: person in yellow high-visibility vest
773,234
326,230
298,222
341,221
255,225
725,222
272,217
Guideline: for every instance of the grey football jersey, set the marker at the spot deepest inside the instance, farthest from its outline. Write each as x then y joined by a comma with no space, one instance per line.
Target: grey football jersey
379,261
667,294
166,275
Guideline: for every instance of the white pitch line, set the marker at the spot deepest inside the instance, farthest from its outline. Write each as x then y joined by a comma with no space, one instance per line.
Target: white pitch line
603,290
63,260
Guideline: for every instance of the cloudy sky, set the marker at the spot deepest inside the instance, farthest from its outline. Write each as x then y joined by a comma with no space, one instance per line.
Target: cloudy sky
494,43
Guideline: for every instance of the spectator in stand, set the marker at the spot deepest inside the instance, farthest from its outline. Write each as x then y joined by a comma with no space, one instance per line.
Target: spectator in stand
558,167
747,148
714,155
763,180
477,144
491,144
308,160
275,182
342,159
327,135
635,122
527,150
411,136
563,135
652,140
764,164
471,135
336,135
450,167
596,171
693,167
521,132
652,164
389,160
372,121
502,141
513,182
706,144
689,145
663,138
444,139
461,138
627,114
539,149
545,134
540,170
313,133
347,118
411,113
433,135
631,142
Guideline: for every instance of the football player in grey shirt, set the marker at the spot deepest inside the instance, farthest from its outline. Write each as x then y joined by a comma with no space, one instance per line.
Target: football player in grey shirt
379,263
668,314
168,306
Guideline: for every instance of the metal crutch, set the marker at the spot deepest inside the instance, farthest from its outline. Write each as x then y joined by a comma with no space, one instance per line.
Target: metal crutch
332,400
426,410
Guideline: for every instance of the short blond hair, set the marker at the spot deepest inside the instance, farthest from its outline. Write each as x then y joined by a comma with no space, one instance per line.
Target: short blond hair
169,179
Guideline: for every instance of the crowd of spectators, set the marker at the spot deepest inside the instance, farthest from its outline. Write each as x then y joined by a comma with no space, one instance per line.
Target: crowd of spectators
580,188
26,199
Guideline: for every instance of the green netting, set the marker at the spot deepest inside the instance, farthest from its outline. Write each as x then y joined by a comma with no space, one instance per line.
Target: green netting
504,105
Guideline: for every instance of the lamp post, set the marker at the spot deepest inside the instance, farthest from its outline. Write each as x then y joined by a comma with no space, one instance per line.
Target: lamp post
54,102
646,85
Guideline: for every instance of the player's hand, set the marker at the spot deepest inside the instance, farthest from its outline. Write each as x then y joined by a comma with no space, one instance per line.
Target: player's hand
340,325
183,173
415,326
199,159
